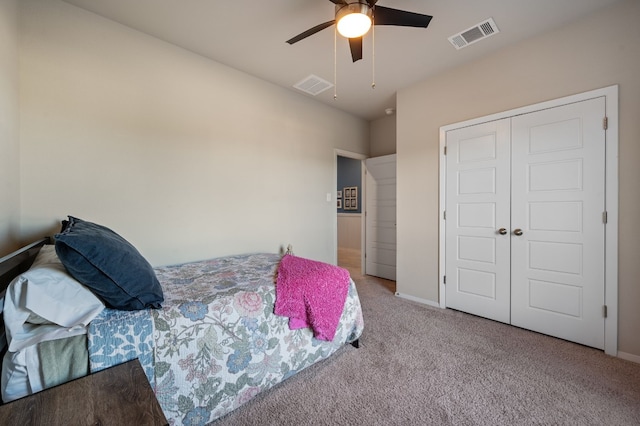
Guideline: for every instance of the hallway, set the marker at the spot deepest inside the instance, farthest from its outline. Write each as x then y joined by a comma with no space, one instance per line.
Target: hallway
350,259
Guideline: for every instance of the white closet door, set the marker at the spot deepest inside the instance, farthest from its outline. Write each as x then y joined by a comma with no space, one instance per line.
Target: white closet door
477,207
380,217
558,194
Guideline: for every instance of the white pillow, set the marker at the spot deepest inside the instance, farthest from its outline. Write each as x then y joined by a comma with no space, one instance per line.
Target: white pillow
49,296
46,256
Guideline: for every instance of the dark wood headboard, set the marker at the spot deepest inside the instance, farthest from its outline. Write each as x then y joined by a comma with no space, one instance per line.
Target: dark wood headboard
19,261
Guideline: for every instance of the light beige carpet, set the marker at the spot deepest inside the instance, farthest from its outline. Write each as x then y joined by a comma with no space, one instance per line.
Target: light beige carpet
418,365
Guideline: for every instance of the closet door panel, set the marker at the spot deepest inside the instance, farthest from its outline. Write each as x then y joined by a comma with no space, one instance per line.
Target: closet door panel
558,182
477,206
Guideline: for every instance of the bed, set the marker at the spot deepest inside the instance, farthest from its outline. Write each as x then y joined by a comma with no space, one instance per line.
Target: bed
208,343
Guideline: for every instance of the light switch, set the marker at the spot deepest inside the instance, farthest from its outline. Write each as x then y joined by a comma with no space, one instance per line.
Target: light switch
328,197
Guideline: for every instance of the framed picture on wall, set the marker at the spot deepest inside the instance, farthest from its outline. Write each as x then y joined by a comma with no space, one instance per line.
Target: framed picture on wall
350,196
339,203
339,194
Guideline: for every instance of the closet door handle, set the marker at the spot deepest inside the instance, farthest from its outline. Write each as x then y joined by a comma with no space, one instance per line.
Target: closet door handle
502,231
517,231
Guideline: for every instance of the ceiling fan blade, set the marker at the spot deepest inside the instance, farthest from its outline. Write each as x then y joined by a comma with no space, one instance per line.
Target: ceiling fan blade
356,48
372,2
387,16
311,31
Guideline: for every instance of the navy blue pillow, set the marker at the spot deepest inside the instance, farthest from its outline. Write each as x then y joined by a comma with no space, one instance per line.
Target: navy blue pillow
108,265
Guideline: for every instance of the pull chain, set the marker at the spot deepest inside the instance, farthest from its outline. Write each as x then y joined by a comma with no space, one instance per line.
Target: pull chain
335,61
373,53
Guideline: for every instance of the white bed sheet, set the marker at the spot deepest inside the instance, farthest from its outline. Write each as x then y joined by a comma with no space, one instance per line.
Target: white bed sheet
44,303
21,374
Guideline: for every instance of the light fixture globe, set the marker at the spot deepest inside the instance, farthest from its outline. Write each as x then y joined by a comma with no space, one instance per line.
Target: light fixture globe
353,20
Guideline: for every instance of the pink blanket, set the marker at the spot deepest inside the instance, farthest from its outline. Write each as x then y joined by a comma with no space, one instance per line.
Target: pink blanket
311,294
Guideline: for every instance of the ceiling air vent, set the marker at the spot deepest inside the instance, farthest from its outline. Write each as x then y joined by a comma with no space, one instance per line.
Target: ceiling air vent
313,85
476,33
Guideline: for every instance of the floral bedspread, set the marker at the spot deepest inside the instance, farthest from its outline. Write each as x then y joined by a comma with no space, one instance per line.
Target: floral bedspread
216,343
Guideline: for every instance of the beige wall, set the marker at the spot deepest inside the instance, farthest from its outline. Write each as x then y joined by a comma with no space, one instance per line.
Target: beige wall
9,148
350,231
595,52
184,157
383,136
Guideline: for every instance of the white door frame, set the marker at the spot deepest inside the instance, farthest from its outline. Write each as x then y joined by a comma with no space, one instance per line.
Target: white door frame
611,198
356,156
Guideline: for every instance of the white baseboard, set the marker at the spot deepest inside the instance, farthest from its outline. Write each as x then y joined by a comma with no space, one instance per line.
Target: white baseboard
418,299
629,357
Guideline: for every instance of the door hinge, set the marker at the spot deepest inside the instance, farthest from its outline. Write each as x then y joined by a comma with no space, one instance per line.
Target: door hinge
445,150
444,279
444,215
604,311
604,217
605,123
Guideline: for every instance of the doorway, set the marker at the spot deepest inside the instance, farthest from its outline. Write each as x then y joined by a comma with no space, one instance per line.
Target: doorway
349,199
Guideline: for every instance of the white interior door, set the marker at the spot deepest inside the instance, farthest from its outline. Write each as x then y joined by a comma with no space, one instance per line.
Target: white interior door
558,200
478,222
380,217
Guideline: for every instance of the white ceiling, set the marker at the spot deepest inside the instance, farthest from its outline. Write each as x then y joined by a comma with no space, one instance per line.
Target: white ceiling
250,36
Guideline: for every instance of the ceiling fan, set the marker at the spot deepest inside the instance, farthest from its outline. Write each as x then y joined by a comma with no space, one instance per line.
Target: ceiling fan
354,18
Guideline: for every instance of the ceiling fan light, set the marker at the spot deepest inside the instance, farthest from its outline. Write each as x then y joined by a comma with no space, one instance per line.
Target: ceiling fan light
354,25
354,20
